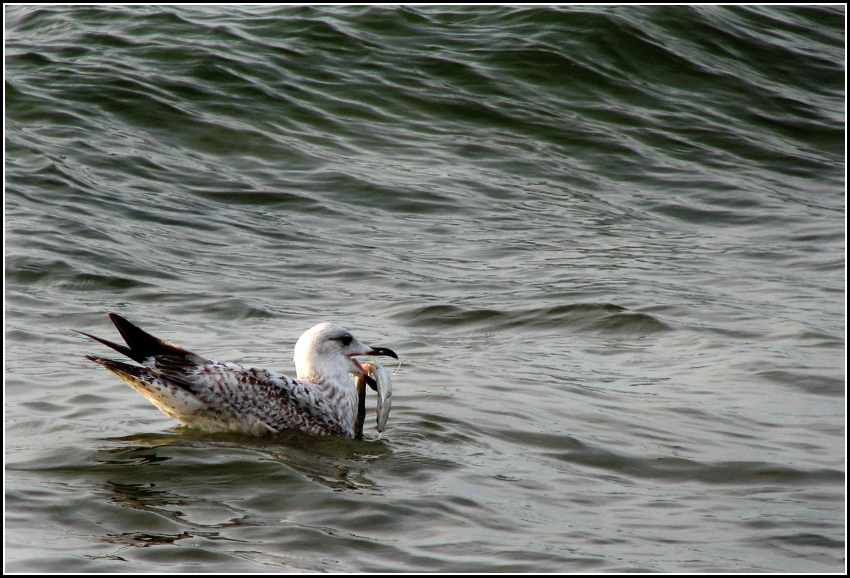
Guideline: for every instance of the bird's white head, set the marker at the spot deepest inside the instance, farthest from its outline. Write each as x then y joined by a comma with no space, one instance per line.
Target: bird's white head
326,354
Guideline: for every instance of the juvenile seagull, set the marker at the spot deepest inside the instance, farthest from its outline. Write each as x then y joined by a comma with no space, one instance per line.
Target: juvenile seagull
217,397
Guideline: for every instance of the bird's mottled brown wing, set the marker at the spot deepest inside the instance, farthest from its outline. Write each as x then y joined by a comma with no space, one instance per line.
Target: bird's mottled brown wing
277,400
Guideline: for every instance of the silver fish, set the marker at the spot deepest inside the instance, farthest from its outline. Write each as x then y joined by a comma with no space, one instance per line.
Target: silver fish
385,392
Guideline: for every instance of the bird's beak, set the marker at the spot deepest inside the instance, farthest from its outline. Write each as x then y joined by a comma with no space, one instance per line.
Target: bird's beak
383,351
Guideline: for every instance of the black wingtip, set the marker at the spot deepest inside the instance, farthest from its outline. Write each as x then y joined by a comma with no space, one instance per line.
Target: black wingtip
116,319
118,367
143,343
117,347
140,344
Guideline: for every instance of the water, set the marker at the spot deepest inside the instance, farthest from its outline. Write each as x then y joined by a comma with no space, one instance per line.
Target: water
608,243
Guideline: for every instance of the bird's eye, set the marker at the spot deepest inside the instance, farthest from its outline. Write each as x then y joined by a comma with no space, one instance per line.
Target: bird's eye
346,339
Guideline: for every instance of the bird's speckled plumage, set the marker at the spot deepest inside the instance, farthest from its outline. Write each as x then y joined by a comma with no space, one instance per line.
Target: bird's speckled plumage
214,396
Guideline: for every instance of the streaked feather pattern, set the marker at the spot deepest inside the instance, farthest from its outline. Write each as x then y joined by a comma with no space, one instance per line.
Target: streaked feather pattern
214,396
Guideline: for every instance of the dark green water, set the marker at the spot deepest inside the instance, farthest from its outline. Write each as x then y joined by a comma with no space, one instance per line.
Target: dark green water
608,242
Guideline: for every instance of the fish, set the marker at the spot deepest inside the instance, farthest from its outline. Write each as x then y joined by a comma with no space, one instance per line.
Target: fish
376,377
385,392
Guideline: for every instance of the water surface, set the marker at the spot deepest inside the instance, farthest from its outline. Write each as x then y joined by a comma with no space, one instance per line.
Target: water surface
608,243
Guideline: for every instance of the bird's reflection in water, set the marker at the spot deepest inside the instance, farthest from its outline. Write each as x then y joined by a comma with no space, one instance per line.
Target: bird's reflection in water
338,463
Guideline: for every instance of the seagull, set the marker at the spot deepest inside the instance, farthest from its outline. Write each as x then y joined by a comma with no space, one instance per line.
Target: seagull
228,397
